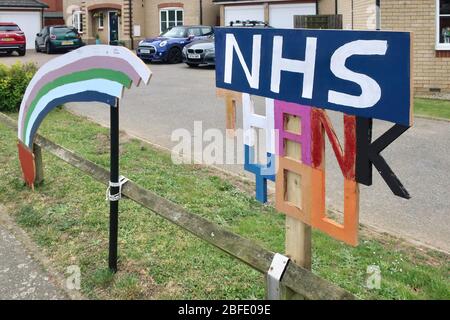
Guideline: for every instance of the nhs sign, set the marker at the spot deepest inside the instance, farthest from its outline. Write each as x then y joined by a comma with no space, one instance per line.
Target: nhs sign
361,73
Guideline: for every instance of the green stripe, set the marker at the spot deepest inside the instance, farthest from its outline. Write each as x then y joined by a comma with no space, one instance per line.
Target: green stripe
90,74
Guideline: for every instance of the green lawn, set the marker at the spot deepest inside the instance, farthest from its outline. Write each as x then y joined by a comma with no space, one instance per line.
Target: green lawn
432,108
68,218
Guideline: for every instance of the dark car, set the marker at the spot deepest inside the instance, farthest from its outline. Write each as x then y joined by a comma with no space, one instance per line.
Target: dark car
200,52
57,38
12,38
169,45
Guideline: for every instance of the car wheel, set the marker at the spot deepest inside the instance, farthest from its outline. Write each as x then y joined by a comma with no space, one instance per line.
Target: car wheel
48,48
174,55
22,52
36,47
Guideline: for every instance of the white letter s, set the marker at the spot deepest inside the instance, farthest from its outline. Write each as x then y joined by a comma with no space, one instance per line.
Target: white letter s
371,91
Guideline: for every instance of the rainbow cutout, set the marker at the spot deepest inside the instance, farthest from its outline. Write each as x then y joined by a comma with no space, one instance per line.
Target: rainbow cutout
92,73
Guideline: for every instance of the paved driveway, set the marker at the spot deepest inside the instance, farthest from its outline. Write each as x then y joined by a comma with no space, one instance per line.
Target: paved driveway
177,96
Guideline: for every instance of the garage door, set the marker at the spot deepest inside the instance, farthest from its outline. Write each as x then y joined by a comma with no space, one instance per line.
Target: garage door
282,15
242,13
29,22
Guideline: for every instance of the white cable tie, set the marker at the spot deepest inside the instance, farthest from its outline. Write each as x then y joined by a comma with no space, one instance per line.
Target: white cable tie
117,196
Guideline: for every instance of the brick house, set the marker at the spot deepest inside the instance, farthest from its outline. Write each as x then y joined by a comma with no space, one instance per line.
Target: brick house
112,20
428,19
53,15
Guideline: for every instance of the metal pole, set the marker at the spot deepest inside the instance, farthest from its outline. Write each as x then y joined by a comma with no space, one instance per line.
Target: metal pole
130,23
114,205
201,12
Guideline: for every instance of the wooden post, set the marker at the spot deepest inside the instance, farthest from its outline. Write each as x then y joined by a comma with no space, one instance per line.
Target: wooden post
39,164
232,98
298,234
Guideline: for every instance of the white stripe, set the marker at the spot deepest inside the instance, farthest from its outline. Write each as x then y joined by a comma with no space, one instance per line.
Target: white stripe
85,52
101,85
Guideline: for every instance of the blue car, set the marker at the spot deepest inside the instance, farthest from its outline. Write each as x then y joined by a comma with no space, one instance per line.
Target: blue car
169,45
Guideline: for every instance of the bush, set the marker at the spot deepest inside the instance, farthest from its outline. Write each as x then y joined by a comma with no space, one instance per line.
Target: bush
13,83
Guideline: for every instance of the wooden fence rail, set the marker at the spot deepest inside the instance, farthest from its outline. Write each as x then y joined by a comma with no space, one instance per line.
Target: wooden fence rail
298,279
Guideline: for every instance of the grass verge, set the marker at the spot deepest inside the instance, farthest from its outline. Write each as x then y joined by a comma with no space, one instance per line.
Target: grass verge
432,108
68,218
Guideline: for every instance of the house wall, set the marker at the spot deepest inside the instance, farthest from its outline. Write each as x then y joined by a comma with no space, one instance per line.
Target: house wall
53,5
418,16
364,15
90,23
345,8
68,6
327,7
145,15
191,11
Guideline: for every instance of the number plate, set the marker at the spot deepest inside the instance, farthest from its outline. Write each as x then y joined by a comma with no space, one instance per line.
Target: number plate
145,51
7,39
67,43
193,56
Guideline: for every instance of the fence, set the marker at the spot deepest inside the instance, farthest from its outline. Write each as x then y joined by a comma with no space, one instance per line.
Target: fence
301,281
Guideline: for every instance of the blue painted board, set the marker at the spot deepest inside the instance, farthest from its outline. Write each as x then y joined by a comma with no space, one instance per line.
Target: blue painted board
379,61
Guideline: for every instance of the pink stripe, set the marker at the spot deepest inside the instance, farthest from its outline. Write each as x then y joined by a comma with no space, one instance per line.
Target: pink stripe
82,65
304,138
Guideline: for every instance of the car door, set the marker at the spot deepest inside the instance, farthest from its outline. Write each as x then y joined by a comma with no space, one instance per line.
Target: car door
41,39
206,32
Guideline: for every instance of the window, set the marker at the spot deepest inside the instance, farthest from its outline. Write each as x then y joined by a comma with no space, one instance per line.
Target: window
10,27
77,21
196,32
443,24
100,21
206,31
170,18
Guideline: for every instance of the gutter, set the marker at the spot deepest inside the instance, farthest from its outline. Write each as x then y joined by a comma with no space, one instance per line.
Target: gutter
130,16
201,11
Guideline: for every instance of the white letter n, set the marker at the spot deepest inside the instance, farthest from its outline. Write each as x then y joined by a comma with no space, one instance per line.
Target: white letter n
230,45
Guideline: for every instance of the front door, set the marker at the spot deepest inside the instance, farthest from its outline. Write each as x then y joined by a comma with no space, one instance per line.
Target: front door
113,28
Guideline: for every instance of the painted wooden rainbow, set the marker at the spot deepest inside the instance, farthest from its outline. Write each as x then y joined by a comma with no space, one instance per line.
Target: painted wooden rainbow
92,73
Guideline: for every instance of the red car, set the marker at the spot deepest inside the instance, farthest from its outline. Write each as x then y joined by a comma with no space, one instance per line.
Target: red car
12,38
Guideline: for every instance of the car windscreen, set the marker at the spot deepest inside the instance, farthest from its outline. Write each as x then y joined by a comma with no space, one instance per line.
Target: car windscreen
9,28
176,32
64,31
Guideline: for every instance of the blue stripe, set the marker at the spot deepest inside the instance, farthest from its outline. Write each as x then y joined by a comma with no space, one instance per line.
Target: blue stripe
85,96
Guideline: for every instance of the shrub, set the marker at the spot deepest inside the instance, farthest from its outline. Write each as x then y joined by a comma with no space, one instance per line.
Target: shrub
13,83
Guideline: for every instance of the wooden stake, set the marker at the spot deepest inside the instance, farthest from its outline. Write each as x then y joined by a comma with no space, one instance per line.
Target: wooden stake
298,242
39,164
298,234
232,98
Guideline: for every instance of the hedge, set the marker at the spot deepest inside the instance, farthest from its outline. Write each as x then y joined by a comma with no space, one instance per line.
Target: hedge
13,83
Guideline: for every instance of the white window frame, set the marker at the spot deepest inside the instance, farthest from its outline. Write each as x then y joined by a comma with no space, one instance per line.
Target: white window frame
440,46
101,18
77,20
176,9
